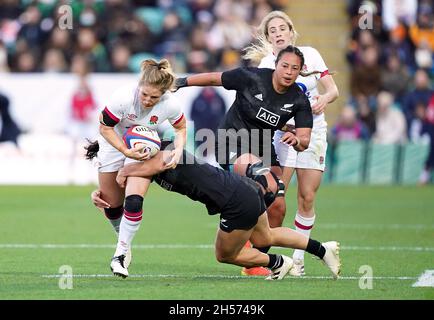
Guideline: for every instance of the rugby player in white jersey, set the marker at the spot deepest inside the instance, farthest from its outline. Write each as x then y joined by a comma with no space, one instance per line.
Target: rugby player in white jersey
276,32
149,104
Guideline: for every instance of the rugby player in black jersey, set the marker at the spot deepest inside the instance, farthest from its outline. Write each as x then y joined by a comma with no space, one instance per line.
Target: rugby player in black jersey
243,215
265,100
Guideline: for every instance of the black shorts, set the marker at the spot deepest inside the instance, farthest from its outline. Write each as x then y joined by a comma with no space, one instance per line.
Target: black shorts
227,154
244,208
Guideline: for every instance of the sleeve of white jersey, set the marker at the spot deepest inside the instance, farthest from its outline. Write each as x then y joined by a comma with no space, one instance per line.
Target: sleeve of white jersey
317,63
117,104
175,114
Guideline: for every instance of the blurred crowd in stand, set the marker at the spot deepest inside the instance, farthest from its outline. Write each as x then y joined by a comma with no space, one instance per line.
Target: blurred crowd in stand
390,54
114,35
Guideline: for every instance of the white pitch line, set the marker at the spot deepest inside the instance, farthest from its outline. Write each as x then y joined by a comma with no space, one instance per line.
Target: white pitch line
386,248
366,226
189,246
375,226
208,276
102,246
425,280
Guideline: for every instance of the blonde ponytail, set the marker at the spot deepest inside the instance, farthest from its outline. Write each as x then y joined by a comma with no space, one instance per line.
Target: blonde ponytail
158,74
256,51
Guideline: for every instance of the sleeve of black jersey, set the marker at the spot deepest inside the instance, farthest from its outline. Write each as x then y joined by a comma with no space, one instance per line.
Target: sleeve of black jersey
303,117
234,79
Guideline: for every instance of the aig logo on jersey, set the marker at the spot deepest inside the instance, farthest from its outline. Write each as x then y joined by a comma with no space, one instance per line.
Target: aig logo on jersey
268,117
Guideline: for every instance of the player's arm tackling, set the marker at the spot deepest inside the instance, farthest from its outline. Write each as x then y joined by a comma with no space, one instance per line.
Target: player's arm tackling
180,141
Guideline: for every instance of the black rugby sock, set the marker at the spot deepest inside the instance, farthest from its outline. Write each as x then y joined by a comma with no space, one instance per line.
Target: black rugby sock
263,249
276,261
316,248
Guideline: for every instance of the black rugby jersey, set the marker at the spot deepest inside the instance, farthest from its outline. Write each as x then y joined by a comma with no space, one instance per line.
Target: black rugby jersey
201,182
258,106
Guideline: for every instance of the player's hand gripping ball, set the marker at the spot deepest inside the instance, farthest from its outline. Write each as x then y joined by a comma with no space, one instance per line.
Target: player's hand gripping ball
143,137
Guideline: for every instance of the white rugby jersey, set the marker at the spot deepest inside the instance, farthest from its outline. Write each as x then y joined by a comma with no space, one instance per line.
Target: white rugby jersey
312,62
125,108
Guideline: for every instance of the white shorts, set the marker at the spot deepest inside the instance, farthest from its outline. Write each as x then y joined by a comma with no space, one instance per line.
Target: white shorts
109,158
311,158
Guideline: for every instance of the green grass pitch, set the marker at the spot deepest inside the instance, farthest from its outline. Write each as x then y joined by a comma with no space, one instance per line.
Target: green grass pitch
388,230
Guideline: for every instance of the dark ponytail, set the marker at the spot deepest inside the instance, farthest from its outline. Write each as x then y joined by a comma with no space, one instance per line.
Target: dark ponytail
91,149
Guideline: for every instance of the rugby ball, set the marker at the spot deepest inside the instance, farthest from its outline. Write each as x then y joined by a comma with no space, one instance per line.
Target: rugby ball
144,137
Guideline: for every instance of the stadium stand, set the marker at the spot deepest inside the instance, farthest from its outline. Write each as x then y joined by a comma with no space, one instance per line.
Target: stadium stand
113,36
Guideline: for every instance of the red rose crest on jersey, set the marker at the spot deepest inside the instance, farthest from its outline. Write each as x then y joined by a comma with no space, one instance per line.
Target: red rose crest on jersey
153,120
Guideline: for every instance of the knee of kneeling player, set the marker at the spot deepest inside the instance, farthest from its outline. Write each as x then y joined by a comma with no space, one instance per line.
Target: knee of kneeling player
225,257
277,210
133,203
262,242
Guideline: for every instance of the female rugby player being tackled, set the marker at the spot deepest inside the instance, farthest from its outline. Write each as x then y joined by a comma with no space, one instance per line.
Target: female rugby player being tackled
149,103
243,216
265,100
